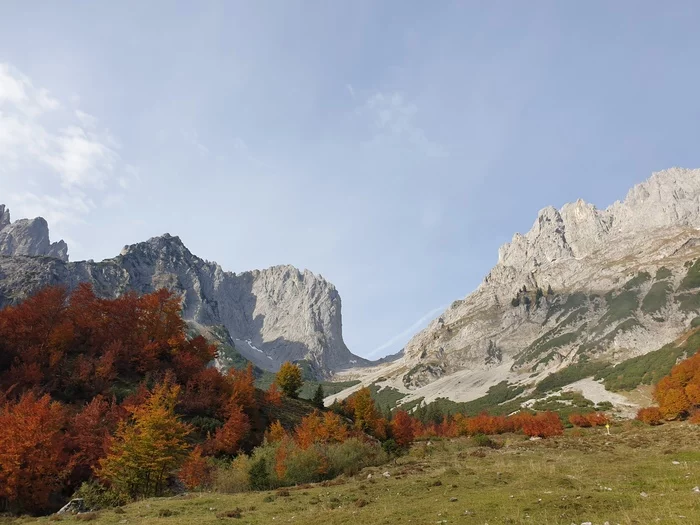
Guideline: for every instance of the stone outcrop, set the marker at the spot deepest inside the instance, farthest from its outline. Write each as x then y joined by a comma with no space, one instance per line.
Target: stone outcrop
28,237
620,284
272,315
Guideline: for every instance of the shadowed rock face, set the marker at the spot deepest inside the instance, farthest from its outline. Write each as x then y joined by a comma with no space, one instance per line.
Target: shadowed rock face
280,313
28,237
619,288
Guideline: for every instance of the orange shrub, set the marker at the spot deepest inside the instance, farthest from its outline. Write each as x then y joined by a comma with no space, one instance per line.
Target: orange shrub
228,438
273,396
593,419
195,471
543,424
402,428
650,415
32,461
275,433
579,420
597,419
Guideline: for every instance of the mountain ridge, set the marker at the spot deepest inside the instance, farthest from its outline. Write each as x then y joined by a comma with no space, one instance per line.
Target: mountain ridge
620,282
273,315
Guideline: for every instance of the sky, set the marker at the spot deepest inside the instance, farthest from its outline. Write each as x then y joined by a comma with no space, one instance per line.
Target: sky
390,146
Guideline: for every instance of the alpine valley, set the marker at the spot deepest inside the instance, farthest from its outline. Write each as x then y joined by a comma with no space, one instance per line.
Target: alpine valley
582,291
595,301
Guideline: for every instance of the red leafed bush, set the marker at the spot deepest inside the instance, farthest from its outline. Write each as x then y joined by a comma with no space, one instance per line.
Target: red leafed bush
594,419
402,428
579,420
544,424
650,416
195,471
33,464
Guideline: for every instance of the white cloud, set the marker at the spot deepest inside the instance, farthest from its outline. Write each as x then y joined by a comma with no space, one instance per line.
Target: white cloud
351,90
394,121
63,209
64,152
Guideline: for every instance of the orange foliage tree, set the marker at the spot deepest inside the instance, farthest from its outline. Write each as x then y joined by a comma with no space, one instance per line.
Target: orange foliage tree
228,438
273,396
402,428
32,460
195,471
650,415
678,394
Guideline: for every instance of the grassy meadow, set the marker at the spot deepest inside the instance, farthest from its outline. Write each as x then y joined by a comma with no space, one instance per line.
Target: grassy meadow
637,475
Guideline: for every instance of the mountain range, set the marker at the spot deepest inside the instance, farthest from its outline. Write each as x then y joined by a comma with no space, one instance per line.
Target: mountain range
582,286
270,316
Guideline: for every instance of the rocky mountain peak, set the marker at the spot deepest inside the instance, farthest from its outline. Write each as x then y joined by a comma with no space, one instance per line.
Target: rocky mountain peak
668,198
28,237
581,284
4,216
273,315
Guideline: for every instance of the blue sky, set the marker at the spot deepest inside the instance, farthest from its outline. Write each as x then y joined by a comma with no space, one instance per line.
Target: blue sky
390,146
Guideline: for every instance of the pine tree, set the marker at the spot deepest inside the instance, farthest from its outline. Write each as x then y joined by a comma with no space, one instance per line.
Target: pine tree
538,295
549,290
318,397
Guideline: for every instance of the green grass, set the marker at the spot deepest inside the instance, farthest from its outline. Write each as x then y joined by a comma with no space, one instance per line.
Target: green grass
620,306
663,273
656,297
386,396
565,404
649,368
329,388
583,476
500,399
573,302
570,374
692,277
544,343
689,302
637,281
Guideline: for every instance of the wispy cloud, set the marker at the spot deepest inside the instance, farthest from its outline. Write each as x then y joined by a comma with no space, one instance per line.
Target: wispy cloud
404,335
394,121
43,139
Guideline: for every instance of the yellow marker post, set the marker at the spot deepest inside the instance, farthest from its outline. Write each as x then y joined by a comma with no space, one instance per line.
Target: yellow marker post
607,427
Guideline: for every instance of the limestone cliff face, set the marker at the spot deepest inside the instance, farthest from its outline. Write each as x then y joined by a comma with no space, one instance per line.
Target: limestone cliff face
28,237
272,315
621,284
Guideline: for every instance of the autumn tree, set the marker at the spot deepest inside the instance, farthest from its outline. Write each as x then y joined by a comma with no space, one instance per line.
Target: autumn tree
678,394
228,438
275,432
289,379
650,415
195,471
32,460
149,448
273,396
402,428
243,382
89,437
364,411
